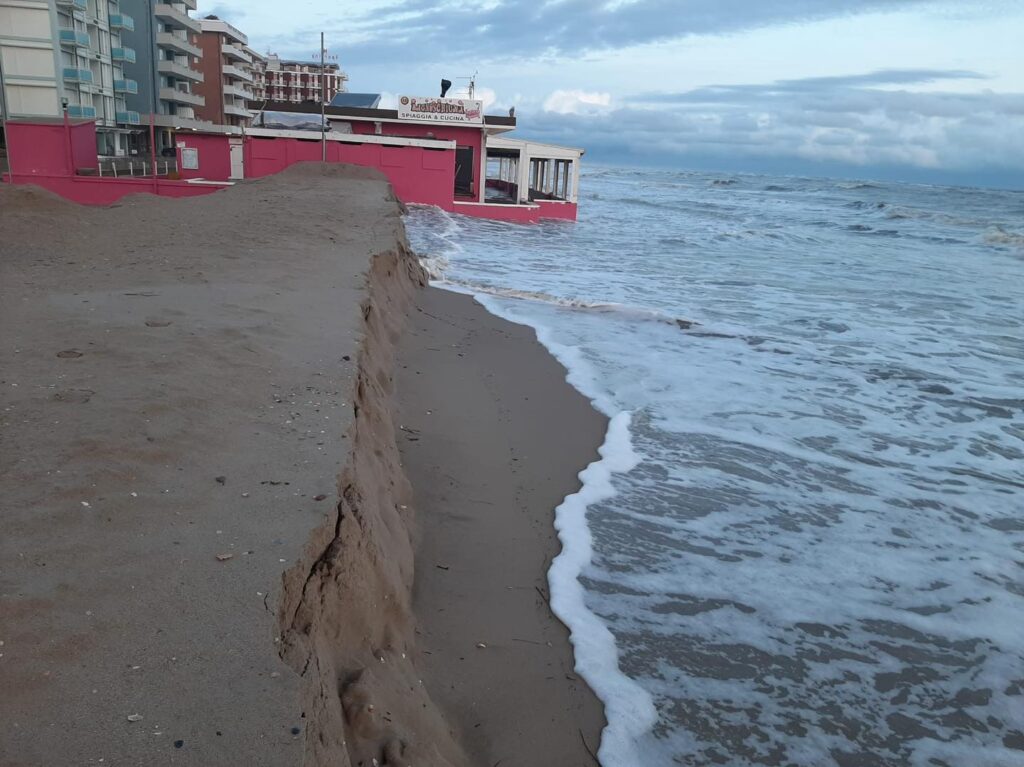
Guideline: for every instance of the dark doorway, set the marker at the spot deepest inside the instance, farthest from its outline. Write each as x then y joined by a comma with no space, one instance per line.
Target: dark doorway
464,171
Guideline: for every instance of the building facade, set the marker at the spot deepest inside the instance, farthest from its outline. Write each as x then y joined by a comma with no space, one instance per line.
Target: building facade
259,75
228,73
297,81
165,39
57,53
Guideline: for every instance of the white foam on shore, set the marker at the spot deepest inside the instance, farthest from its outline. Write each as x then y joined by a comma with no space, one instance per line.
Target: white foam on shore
629,708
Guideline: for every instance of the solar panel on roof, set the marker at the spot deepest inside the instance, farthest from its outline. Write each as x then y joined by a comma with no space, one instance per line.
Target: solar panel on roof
364,100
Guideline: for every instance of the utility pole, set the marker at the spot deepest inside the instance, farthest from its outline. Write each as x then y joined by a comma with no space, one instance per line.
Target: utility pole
3,121
323,100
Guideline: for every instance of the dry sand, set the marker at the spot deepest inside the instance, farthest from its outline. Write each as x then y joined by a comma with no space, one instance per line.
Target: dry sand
185,576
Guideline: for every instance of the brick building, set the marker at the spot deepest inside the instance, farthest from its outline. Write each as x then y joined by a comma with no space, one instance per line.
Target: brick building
228,73
297,81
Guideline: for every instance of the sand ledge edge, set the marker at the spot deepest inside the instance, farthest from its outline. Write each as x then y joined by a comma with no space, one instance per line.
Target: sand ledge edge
345,617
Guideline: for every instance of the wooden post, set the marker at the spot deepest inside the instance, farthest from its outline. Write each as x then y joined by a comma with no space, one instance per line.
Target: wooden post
3,122
152,149
323,100
67,137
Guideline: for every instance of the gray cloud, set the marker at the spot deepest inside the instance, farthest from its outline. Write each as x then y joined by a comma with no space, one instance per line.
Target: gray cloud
424,30
807,85
839,120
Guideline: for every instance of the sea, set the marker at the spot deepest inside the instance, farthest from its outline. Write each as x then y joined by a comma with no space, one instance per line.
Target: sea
804,541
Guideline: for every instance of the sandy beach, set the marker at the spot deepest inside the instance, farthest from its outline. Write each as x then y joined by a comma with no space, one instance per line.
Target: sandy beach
223,541
477,398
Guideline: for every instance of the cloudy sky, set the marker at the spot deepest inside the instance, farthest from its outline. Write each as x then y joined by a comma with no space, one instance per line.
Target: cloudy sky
921,90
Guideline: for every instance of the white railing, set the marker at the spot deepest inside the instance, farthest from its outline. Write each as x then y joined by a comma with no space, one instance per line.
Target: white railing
131,168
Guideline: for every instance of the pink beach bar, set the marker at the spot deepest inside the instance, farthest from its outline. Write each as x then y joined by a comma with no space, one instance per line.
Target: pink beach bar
468,166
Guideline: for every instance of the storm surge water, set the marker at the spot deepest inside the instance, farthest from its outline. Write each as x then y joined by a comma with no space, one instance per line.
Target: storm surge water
804,544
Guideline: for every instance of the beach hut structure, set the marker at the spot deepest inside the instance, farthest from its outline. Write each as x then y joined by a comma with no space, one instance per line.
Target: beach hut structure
435,151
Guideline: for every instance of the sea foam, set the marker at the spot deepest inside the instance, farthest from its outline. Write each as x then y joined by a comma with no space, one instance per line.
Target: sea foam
805,540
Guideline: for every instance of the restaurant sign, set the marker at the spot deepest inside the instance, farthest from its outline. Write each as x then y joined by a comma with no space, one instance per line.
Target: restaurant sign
466,111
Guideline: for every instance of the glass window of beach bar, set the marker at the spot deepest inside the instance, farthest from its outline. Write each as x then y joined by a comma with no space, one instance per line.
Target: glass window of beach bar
502,181
524,171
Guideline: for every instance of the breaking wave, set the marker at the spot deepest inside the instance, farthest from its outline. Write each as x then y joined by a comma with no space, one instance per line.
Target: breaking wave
999,236
623,311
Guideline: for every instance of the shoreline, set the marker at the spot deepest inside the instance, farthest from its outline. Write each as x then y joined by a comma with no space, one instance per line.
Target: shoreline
477,398
203,385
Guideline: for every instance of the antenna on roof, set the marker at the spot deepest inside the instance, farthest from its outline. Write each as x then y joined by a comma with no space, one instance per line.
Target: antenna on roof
472,84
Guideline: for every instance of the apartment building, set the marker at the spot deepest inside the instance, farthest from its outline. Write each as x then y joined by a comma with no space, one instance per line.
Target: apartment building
165,39
69,52
259,75
228,73
297,81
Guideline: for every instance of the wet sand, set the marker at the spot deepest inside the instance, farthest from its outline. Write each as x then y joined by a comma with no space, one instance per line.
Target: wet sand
489,432
206,535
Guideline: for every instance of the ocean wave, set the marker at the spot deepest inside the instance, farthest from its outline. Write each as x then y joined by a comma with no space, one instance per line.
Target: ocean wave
903,213
605,307
862,229
674,241
689,327
858,185
640,202
900,214
436,266
999,236
818,505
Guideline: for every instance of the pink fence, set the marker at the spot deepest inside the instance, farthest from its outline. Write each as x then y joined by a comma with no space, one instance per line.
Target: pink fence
418,175
51,155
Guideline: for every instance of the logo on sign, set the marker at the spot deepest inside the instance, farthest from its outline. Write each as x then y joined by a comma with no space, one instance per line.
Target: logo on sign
441,110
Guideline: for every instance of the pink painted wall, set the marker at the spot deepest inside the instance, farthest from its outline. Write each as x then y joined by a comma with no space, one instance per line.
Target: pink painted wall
557,210
44,148
418,175
519,214
39,155
463,136
214,156
516,214
83,146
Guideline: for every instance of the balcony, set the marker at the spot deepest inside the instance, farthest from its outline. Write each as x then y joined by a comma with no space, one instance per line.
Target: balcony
237,111
177,44
127,117
72,75
234,90
235,53
168,14
123,54
81,111
77,5
122,21
173,69
126,86
238,74
181,97
74,37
